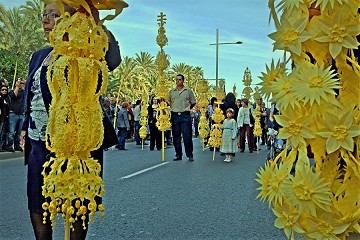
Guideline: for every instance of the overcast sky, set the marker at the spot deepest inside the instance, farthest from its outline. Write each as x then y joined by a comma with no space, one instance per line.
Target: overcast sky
191,28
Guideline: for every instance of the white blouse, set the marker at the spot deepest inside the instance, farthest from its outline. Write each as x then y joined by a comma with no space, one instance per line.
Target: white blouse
244,116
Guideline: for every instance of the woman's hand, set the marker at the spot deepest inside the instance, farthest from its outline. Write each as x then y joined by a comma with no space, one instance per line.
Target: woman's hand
22,139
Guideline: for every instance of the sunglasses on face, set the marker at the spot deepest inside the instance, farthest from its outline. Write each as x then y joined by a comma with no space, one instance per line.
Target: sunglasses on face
51,15
4,89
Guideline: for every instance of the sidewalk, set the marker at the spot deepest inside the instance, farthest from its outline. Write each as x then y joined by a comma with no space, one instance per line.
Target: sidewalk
10,155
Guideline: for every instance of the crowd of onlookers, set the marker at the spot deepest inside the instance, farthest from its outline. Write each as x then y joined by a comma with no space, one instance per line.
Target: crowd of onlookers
126,120
127,123
11,114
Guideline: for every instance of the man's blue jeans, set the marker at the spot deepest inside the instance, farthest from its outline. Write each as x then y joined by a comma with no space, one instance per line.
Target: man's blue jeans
15,125
122,133
137,135
182,125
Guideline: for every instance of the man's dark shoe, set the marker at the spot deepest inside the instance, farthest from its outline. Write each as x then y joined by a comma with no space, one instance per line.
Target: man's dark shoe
123,149
18,148
177,159
191,159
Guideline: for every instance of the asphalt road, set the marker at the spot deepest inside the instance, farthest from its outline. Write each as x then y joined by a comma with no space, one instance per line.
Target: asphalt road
147,198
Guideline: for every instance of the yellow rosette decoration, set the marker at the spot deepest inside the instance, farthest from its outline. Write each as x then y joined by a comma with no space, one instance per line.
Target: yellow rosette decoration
257,127
204,128
163,115
143,118
72,178
215,139
313,185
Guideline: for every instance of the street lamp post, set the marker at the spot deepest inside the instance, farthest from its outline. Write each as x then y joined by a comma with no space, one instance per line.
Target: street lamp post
217,54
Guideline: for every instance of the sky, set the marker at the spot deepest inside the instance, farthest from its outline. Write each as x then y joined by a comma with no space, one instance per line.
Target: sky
191,28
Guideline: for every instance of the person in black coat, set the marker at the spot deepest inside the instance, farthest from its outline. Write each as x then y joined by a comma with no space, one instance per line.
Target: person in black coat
4,114
155,133
230,102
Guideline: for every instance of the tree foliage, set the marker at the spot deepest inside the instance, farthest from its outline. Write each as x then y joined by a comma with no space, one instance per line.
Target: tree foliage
21,35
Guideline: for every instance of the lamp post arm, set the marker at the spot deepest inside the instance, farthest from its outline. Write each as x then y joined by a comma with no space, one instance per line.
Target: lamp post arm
238,42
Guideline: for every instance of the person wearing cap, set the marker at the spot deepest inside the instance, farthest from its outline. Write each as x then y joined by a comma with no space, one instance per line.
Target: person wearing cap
244,125
181,100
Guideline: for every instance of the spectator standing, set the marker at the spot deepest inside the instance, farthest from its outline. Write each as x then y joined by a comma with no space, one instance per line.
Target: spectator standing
137,117
181,100
155,134
123,125
4,114
244,125
106,105
196,120
112,109
16,116
131,121
168,136
229,102
263,120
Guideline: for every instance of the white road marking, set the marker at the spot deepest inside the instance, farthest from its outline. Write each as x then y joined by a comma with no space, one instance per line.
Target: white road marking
144,170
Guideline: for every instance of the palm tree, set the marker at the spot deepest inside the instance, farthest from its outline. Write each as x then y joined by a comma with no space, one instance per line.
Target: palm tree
147,73
13,42
121,80
139,75
31,10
